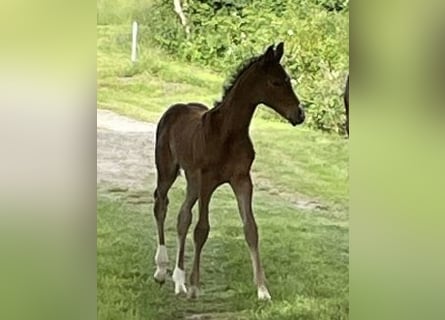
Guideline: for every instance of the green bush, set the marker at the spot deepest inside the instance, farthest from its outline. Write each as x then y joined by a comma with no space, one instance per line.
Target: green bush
226,32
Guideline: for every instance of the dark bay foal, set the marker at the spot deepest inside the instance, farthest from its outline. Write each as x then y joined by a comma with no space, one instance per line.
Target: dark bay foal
213,147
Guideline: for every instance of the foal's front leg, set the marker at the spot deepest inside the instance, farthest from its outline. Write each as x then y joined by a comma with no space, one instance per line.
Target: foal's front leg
242,186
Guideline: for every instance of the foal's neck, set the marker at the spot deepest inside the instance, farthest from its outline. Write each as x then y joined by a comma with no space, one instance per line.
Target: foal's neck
236,110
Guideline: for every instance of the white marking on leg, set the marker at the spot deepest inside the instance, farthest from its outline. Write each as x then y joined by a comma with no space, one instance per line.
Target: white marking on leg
258,276
253,258
179,279
263,293
161,260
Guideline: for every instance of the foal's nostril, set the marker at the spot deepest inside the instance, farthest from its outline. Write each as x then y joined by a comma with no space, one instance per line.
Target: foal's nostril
301,111
297,115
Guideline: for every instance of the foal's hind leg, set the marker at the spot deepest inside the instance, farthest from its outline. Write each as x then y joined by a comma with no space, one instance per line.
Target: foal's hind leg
167,173
184,221
201,232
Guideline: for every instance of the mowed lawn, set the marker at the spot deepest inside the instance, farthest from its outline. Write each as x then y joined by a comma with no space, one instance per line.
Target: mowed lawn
304,249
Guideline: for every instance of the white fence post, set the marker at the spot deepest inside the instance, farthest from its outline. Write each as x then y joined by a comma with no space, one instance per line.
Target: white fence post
134,41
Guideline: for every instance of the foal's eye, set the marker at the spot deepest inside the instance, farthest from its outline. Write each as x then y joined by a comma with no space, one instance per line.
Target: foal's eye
276,83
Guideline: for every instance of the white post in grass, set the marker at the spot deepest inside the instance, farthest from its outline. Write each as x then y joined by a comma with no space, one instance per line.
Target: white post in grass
134,41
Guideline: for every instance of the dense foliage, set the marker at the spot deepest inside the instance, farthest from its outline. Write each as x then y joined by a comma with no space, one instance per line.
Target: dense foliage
225,32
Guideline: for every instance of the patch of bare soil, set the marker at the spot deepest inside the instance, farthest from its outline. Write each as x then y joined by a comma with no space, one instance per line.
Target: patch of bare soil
215,316
125,154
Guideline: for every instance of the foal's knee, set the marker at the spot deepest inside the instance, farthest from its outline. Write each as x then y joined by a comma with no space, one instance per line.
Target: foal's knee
160,205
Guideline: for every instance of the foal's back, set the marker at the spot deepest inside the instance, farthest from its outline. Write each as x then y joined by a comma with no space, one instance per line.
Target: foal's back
179,132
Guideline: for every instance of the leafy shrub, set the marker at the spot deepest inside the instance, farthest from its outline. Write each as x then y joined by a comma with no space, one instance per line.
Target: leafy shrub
225,32
334,5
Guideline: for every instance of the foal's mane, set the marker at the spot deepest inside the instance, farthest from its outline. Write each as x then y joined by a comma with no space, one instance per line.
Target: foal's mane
244,66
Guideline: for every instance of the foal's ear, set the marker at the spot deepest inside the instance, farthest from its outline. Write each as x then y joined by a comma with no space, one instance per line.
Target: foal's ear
279,52
269,55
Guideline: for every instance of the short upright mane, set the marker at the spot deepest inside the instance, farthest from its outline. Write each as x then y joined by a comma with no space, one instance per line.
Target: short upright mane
246,64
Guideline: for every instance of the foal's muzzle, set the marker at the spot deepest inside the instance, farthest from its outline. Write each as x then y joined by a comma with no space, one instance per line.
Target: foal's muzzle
297,115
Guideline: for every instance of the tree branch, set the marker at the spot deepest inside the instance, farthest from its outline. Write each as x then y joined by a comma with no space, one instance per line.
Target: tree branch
180,13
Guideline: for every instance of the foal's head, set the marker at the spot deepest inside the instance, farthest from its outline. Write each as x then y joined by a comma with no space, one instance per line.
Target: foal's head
274,88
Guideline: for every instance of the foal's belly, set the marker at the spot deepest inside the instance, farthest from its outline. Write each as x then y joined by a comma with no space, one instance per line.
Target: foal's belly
228,163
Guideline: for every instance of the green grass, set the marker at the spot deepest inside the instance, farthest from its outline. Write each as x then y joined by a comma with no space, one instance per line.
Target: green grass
147,88
305,252
111,12
305,255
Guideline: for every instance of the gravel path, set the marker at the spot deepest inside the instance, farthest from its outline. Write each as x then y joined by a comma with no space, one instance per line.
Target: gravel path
125,152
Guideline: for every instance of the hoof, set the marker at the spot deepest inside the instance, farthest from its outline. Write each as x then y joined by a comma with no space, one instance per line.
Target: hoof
193,292
161,260
160,276
179,280
263,294
160,282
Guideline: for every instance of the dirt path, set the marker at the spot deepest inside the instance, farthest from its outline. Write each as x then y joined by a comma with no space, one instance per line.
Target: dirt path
125,152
